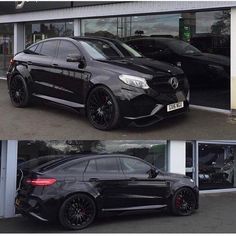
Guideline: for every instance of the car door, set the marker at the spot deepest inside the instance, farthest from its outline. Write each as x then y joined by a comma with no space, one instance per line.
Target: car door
39,66
105,175
68,77
142,188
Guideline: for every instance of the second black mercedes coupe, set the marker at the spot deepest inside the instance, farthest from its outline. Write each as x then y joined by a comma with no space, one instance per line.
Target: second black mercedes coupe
74,190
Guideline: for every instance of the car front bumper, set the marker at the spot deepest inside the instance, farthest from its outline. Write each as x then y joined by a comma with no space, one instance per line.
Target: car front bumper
143,108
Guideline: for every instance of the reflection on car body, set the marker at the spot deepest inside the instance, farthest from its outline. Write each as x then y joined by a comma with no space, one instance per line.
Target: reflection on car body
76,189
107,78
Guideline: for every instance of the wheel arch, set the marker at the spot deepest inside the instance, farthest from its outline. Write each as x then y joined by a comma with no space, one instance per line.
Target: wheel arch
91,89
22,71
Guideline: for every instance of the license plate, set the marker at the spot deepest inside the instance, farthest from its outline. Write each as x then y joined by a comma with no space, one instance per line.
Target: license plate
175,106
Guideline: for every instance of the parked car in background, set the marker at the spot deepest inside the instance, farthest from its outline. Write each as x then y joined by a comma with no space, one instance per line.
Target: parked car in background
77,189
108,79
202,69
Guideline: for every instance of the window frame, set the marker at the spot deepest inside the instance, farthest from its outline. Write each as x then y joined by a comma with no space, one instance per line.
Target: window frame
68,41
103,172
140,160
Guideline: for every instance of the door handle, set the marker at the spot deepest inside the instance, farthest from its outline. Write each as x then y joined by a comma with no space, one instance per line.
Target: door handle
133,179
55,65
29,62
93,180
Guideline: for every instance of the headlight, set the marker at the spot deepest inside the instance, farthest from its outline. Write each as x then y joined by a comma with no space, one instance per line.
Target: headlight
134,81
191,180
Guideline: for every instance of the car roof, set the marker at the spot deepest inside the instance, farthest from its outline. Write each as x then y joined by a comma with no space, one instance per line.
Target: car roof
77,38
161,39
82,157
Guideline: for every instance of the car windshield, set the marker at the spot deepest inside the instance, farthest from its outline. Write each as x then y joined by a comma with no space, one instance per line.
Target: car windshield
101,50
183,48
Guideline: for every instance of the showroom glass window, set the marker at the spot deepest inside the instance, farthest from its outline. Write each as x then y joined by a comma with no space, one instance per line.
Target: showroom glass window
6,46
209,31
152,151
216,166
35,32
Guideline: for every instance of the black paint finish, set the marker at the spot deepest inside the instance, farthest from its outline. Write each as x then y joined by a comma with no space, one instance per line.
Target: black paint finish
113,189
56,79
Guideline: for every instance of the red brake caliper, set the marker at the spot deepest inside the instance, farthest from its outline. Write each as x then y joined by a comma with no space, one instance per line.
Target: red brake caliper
178,201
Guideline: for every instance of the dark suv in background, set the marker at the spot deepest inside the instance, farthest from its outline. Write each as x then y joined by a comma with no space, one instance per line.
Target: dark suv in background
203,70
108,79
76,189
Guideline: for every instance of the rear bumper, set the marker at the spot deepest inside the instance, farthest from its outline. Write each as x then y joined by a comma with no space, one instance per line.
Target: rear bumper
34,207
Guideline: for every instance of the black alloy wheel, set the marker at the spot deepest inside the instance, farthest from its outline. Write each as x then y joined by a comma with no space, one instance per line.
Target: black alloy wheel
184,202
18,92
77,212
102,108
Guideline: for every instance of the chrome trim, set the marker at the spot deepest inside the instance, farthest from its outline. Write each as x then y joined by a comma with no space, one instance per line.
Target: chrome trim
53,86
37,216
135,208
61,101
157,108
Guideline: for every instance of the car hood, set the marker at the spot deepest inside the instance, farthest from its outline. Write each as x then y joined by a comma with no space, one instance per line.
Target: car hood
142,67
211,59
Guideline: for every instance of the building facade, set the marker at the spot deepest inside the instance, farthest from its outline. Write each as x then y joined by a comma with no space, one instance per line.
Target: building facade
209,26
211,164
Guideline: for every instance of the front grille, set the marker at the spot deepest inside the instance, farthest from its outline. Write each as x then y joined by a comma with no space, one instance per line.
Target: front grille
162,85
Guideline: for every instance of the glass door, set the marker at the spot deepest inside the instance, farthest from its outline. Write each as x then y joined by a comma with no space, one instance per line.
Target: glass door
191,160
6,47
216,165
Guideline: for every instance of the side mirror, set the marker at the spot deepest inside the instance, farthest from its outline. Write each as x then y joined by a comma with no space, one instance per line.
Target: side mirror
74,58
153,173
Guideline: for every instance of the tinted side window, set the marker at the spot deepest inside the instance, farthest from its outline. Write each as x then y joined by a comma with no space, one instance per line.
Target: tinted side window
103,165
108,164
38,49
133,166
78,167
32,48
92,167
66,48
49,48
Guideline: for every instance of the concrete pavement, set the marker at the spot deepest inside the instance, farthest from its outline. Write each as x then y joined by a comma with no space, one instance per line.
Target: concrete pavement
215,215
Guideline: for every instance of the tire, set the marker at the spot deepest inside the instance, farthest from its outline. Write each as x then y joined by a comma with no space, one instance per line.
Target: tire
77,212
183,202
102,109
19,92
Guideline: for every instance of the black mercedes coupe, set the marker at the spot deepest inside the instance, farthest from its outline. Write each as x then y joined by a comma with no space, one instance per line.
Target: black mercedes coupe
106,78
76,189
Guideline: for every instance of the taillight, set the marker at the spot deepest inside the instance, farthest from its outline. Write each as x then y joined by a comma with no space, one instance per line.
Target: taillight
41,182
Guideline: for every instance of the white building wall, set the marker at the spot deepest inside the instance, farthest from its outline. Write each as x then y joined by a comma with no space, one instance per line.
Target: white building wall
233,60
19,37
176,156
115,9
8,178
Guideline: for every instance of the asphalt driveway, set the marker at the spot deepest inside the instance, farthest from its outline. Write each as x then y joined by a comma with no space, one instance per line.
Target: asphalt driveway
42,121
215,215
